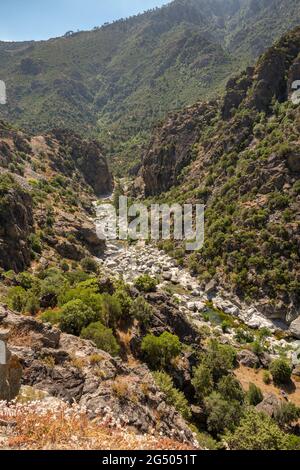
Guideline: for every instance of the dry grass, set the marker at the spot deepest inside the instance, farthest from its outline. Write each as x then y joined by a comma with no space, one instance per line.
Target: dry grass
39,425
246,375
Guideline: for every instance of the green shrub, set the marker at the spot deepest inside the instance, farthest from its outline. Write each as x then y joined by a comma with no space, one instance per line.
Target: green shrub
281,371
257,431
221,414
146,283
202,381
35,243
25,280
254,395
103,337
111,310
243,336
89,265
51,316
173,396
230,389
75,316
220,358
267,377
32,304
160,350
141,311
287,414
17,298
225,326
125,301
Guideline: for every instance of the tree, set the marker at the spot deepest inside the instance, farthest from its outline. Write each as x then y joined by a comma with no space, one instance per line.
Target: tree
111,310
124,300
202,381
173,396
75,316
281,371
160,350
254,395
257,431
220,358
230,389
141,311
221,414
103,337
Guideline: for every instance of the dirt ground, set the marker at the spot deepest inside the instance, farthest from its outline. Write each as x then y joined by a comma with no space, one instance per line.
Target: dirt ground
246,375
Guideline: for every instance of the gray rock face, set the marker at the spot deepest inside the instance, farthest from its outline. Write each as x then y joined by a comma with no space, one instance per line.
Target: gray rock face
10,370
295,328
248,358
269,405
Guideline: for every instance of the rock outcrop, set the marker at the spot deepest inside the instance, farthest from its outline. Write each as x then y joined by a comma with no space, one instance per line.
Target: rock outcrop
295,328
88,159
16,224
10,370
244,167
47,189
171,148
74,370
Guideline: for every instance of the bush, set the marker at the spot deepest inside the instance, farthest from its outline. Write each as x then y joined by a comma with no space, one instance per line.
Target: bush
160,350
287,414
32,304
173,396
202,381
258,431
17,298
124,300
267,377
254,395
141,311
35,243
103,337
243,336
90,265
221,414
75,316
146,283
281,371
225,326
230,389
25,280
111,310
220,358
51,316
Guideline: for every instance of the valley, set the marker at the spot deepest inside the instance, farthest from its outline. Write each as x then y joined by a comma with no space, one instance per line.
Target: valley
111,344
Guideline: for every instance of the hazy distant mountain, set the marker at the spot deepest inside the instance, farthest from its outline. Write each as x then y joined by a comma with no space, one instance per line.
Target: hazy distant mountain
117,80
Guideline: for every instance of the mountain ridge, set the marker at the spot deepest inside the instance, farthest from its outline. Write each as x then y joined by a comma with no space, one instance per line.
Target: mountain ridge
117,81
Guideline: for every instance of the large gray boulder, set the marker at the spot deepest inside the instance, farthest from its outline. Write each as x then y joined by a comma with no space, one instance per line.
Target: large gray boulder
270,405
248,358
10,370
295,328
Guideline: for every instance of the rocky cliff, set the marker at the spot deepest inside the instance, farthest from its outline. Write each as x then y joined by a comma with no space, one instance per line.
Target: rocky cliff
74,370
245,168
47,187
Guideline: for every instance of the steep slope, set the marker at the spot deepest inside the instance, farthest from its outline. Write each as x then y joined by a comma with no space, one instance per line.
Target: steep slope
47,186
244,165
116,81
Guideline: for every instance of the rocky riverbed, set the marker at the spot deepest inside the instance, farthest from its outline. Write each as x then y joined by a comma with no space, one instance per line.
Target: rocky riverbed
131,260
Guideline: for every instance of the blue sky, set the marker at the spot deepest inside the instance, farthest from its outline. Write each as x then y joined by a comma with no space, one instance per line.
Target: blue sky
41,19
